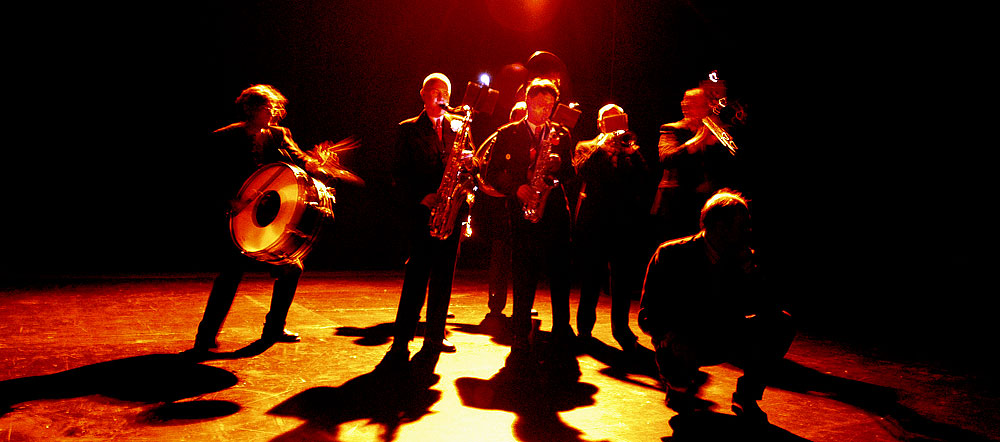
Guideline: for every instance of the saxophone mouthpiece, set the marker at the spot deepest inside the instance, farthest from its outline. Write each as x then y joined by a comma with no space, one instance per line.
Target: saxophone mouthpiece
449,109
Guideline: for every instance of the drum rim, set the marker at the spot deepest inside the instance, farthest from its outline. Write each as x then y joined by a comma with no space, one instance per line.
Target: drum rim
286,248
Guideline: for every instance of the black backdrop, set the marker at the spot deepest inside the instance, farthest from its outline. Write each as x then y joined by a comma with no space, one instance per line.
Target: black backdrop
111,103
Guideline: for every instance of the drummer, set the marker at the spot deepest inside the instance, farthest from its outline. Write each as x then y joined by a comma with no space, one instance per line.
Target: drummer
244,147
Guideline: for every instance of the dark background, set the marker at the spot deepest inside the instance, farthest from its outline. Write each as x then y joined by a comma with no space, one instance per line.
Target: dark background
865,218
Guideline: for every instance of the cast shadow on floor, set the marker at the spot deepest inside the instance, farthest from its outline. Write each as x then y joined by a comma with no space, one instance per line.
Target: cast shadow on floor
901,421
385,397
150,379
381,334
536,388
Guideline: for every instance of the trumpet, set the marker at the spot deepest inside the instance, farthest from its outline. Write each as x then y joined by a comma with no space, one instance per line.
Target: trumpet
619,141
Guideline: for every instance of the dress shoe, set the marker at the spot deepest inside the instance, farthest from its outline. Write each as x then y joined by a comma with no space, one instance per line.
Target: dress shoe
443,346
280,336
748,410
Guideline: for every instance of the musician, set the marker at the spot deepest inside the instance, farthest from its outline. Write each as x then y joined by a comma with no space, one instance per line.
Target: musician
608,219
241,149
514,159
695,165
422,146
704,303
497,232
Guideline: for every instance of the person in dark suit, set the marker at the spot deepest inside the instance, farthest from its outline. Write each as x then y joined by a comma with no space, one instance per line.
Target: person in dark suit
496,226
422,146
518,153
239,149
695,165
704,303
608,221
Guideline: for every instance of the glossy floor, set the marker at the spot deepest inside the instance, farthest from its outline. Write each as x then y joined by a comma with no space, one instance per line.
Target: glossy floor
99,359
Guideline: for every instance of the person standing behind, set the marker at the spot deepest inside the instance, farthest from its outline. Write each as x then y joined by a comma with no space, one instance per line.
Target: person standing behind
493,206
607,222
422,146
516,156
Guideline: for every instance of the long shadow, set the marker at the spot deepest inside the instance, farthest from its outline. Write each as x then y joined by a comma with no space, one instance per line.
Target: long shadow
536,392
150,379
497,329
902,421
388,398
621,364
381,334
704,426
255,348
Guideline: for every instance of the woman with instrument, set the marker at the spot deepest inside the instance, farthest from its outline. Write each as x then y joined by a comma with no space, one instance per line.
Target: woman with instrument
529,160
695,164
240,149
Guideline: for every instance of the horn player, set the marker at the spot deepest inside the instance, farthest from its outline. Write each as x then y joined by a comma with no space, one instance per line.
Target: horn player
608,217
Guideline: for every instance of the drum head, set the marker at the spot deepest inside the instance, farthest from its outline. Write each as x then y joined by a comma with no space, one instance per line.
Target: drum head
273,192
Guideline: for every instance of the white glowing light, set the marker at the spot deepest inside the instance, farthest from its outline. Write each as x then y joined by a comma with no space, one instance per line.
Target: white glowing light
714,76
484,79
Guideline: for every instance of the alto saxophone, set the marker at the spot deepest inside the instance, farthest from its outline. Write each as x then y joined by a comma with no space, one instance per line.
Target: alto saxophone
541,182
456,184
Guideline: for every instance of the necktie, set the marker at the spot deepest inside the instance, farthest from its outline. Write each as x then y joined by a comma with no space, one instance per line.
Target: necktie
437,128
536,139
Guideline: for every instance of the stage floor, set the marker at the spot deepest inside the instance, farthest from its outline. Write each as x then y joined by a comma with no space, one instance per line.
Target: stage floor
99,359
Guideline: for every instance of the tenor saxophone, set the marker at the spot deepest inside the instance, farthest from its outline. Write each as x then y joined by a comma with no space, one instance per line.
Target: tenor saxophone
541,182
456,184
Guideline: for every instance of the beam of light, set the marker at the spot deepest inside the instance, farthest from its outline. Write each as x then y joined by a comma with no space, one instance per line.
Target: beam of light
484,78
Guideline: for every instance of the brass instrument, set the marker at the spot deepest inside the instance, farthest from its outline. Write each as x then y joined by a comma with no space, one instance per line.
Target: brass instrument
541,182
619,141
715,90
456,184
712,123
481,160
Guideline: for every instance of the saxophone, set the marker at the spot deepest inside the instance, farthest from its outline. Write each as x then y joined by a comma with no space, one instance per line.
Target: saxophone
456,184
541,182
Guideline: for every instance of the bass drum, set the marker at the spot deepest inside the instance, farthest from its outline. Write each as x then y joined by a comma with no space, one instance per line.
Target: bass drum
282,210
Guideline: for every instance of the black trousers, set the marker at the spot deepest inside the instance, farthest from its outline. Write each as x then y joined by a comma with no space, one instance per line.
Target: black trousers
756,345
604,261
537,248
430,270
497,230
220,299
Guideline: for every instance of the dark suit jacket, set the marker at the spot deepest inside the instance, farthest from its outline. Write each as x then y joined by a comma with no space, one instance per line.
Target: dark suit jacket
511,165
685,291
419,156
